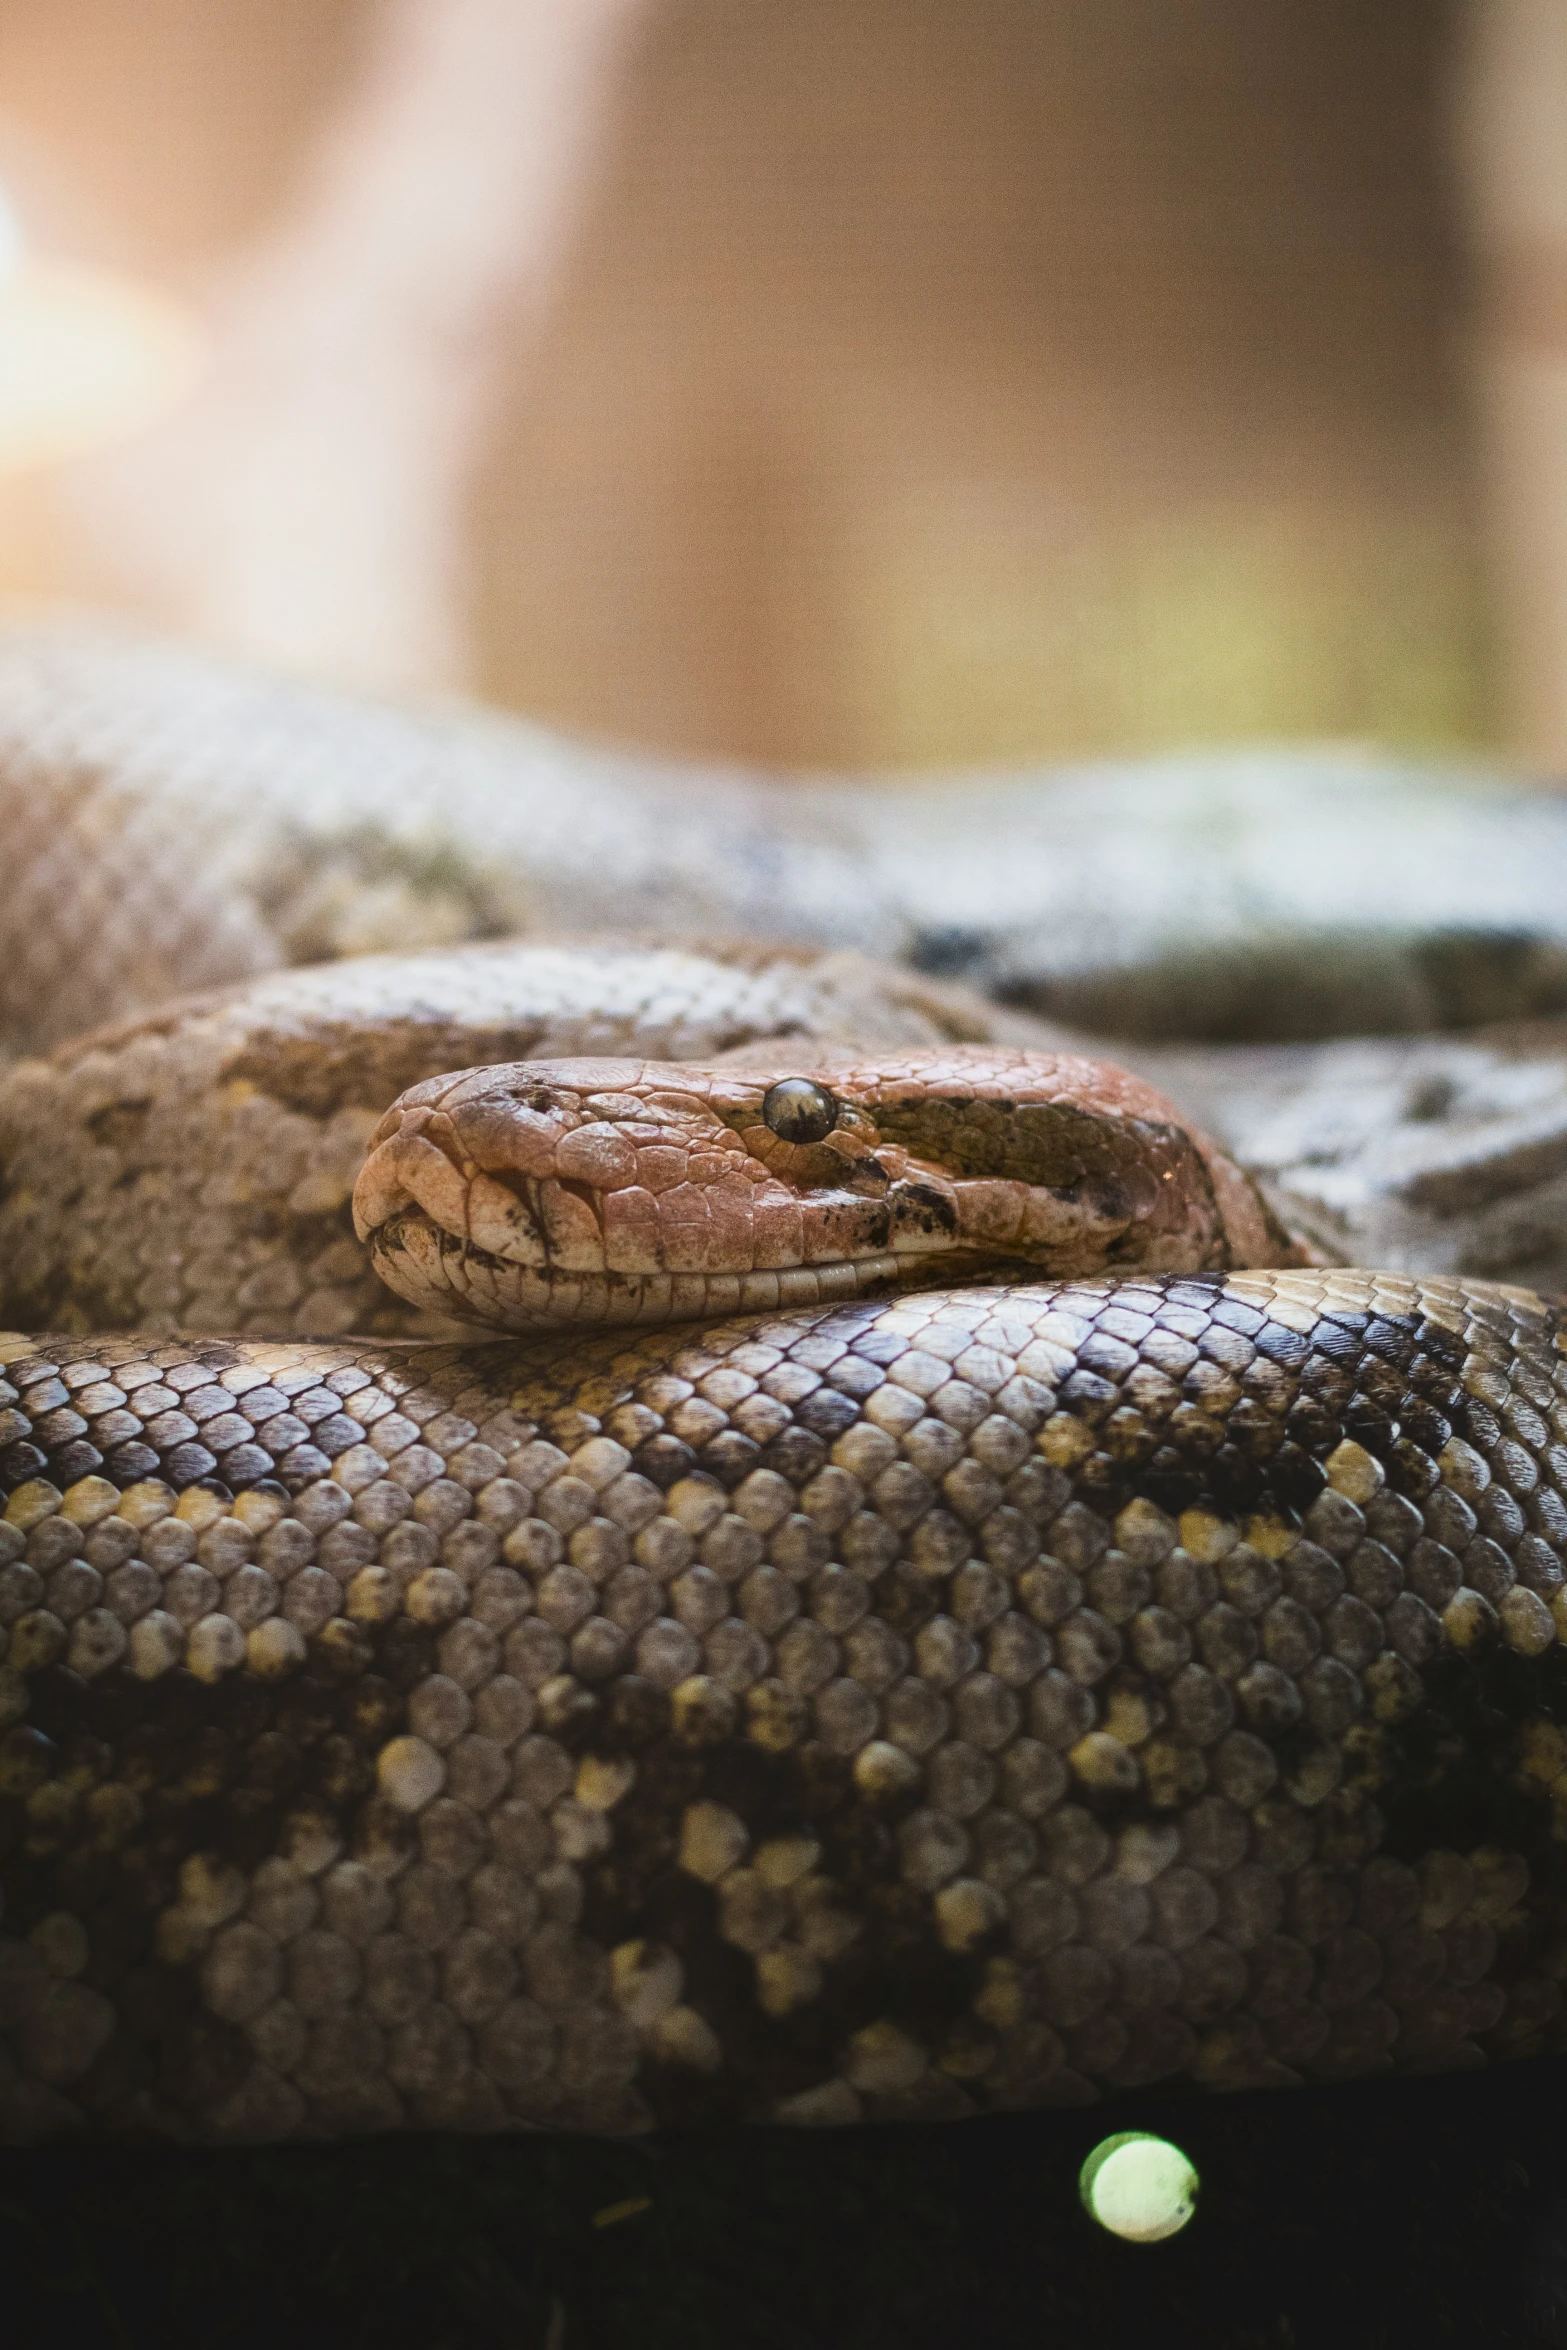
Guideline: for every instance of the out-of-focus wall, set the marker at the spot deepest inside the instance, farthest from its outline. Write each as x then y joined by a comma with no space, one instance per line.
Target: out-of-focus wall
948,379
156,136
161,133
1510,106
927,381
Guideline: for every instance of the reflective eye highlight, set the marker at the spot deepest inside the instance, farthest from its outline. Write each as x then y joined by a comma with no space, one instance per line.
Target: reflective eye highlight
1138,2187
799,1110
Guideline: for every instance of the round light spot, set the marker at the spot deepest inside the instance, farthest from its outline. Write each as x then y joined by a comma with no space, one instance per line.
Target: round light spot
409,1773
1139,2187
798,1110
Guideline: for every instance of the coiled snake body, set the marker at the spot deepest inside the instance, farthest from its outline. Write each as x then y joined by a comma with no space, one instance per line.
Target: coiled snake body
909,1693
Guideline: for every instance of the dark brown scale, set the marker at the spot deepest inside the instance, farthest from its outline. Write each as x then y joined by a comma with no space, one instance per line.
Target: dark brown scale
405,1653
147,1877
341,1773
1254,1428
274,1764
663,1459
1269,1385
828,1412
572,1714
798,1452
1089,1396
635,1715
374,1710
342,1651
306,1712
729,1457
249,1828
200,2062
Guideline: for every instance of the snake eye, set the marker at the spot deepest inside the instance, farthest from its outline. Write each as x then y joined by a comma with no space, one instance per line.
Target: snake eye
798,1110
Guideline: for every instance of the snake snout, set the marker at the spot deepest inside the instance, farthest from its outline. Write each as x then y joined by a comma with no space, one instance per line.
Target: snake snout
433,1164
405,1169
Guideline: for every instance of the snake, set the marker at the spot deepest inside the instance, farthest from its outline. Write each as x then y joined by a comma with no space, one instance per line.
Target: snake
175,821
855,1572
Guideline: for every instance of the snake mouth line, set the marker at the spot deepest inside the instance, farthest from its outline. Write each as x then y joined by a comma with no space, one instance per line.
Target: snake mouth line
424,1262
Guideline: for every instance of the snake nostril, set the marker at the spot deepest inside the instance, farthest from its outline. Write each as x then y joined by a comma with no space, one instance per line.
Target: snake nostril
797,1109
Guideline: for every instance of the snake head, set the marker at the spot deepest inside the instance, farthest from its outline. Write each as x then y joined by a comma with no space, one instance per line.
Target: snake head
537,1193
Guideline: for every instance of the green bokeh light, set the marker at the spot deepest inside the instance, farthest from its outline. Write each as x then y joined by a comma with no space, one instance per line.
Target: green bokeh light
1139,2187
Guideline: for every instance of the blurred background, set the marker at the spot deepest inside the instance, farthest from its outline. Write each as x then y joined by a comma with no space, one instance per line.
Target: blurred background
829,383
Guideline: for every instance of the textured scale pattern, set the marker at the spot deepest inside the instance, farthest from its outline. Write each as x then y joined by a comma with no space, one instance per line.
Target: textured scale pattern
173,822
980,1699
192,1169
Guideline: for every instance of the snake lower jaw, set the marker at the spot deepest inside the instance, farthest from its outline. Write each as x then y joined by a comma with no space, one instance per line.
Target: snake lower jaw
444,1272
447,1273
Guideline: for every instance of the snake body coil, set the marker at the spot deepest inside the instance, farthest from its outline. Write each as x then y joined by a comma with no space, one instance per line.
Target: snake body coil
982,1698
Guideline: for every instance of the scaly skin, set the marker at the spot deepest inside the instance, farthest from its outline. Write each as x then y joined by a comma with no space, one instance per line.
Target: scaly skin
192,1169
970,1699
174,821
549,1193
974,1699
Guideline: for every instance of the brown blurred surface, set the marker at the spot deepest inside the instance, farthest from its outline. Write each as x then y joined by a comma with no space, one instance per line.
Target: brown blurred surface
159,133
943,381
931,380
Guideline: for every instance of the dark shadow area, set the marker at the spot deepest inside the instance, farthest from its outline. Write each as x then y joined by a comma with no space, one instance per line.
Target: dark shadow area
1352,2217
